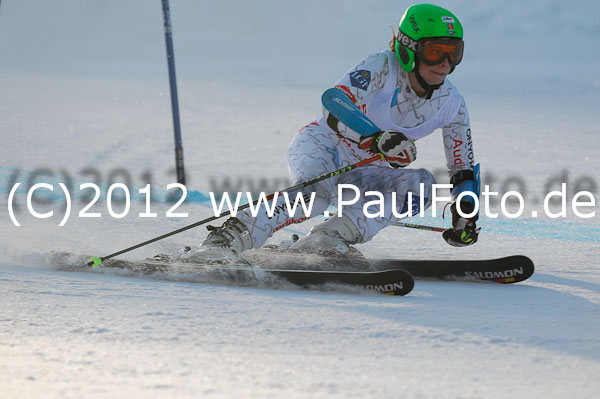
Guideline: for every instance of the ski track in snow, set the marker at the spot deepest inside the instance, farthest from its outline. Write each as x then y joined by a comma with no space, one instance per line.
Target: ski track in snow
98,335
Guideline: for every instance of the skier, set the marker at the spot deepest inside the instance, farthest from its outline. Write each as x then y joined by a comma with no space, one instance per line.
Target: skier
404,91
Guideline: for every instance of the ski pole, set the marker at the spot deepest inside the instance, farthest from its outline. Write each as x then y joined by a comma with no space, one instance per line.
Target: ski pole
419,226
423,227
174,98
95,261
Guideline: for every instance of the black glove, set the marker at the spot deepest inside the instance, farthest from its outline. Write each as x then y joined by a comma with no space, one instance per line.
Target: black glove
397,149
464,231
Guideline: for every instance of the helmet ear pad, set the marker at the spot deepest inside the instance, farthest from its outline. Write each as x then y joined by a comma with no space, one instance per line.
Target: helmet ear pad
404,56
403,53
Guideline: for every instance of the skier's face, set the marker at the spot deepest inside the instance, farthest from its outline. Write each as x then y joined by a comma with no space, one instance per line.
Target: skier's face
435,74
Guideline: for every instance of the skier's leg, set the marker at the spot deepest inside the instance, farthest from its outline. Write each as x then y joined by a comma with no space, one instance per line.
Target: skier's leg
395,186
357,224
312,152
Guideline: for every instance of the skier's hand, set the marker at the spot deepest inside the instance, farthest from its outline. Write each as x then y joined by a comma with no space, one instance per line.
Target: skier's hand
464,231
395,147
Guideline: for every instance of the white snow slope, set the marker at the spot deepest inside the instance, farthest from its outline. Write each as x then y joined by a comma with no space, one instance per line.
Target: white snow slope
85,98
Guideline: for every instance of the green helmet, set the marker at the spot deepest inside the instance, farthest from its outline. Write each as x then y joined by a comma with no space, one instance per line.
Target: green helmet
422,21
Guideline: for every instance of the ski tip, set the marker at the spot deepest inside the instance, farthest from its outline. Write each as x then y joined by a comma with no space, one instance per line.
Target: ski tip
403,284
409,284
526,268
94,262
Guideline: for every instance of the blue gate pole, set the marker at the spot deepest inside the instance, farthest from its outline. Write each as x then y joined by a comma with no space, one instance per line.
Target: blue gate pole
174,100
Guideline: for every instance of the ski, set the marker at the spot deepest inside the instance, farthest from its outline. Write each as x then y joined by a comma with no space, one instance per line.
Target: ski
390,282
506,270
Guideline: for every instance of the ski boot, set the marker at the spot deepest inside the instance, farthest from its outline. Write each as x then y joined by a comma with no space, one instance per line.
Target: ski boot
223,245
331,238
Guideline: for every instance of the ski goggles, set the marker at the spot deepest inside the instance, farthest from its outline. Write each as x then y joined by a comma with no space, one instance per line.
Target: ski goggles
433,51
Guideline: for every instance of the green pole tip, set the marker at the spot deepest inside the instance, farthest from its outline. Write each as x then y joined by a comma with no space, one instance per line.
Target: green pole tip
96,262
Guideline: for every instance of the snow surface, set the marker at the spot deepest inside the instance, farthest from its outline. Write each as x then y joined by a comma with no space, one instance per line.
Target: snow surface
85,94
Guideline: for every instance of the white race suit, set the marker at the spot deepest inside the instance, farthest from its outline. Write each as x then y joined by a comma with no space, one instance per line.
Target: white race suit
380,88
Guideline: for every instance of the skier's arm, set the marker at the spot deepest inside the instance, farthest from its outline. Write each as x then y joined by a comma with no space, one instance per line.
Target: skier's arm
464,176
359,85
394,146
458,145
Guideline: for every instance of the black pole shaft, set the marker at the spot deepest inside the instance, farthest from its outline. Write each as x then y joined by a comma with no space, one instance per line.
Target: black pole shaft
296,187
174,98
